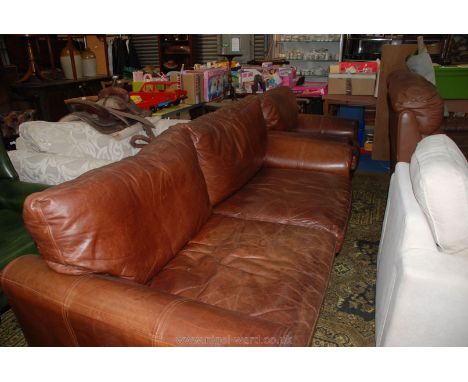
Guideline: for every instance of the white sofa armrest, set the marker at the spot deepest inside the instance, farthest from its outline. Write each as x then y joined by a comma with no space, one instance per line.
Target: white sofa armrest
421,292
428,304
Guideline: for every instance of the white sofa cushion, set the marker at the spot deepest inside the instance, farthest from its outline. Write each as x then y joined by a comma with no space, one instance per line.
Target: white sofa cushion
36,167
439,175
54,152
79,140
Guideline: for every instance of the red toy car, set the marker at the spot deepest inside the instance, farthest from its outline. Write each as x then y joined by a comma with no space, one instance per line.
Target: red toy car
155,95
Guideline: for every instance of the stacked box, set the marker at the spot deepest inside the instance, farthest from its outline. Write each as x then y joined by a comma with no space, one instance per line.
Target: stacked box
353,78
191,83
351,84
452,81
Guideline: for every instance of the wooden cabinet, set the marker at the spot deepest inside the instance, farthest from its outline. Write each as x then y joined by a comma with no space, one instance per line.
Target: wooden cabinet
175,50
48,96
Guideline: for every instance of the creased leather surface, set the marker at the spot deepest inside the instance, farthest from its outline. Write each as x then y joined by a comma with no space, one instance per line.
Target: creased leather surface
280,109
297,197
328,126
289,150
281,114
333,139
98,310
274,272
230,145
126,219
409,91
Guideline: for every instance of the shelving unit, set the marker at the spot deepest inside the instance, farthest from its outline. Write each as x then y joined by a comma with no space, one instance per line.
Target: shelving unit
368,47
310,54
175,51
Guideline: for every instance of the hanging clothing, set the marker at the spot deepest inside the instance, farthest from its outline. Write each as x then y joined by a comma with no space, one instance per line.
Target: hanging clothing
133,60
120,56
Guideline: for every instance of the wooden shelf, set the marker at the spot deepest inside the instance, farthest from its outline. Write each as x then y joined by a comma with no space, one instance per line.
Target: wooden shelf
179,57
310,40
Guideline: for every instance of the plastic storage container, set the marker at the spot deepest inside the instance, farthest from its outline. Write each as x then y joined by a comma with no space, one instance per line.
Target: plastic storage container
452,82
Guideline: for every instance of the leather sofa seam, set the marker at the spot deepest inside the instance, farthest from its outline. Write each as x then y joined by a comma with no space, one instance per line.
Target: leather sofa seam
161,324
46,223
66,306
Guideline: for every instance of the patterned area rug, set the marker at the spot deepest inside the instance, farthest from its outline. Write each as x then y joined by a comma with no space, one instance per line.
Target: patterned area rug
347,315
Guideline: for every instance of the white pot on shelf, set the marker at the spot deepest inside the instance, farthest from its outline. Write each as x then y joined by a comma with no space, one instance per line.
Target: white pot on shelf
66,63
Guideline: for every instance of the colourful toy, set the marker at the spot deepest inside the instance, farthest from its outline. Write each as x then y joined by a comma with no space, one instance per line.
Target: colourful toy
156,95
311,89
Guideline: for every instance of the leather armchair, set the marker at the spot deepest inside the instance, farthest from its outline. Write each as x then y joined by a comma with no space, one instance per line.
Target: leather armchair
14,239
415,111
283,118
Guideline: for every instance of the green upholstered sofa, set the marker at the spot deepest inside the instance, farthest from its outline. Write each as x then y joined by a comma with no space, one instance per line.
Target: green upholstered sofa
14,239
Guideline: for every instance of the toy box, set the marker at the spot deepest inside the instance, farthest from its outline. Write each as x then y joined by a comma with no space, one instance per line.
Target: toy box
358,67
212,83
311,89
272,76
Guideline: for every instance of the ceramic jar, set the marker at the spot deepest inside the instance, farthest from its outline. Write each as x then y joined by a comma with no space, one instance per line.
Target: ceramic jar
88,61
65,61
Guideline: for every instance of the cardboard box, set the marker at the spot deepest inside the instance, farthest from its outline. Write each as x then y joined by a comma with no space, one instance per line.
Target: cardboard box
352,84
358,67
177,78
191,82
212,83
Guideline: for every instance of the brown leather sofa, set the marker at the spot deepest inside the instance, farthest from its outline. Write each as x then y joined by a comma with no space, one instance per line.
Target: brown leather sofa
213,234
282,116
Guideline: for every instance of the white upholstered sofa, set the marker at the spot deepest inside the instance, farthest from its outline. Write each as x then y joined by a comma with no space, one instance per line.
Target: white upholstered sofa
422,267
54,152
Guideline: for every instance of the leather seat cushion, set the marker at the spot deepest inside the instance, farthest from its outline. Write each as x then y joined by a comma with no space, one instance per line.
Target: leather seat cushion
270,271
127,219
231,145
297,197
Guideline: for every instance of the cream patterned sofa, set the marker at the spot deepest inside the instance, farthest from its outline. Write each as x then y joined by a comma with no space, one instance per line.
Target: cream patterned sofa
422,267
54,152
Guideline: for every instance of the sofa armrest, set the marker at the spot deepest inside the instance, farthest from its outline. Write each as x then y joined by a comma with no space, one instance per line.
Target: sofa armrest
288,150
428,300
328,125
14,192
96,310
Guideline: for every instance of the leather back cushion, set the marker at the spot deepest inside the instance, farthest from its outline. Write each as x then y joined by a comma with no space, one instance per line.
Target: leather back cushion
409,91
439,175
231,145
127,219
280,109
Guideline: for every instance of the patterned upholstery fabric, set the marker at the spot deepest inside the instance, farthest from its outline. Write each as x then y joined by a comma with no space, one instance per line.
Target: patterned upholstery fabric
55,152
